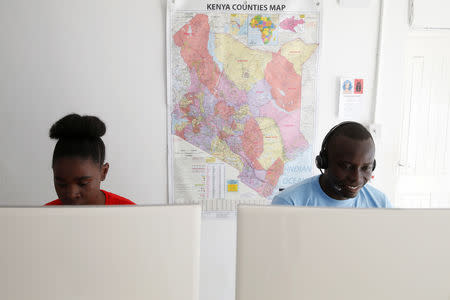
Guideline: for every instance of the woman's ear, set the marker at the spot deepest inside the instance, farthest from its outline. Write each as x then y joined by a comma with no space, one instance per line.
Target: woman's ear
104,171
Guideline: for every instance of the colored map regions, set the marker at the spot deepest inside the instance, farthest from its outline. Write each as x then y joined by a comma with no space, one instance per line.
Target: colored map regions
265,26
291,23
243,65
238,24
247,113
297,52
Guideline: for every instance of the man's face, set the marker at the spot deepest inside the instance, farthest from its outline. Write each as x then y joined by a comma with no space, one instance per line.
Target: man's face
350,164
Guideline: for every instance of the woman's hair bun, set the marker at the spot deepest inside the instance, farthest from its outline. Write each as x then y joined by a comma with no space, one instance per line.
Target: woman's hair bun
76,126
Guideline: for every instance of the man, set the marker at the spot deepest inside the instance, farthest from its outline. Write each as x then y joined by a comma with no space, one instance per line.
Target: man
348,158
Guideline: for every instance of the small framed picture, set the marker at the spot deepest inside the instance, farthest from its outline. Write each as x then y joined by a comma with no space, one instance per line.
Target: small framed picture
347,87
359,86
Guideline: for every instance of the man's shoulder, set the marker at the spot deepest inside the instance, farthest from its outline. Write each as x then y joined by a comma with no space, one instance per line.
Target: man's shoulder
298,193
373,191
374,197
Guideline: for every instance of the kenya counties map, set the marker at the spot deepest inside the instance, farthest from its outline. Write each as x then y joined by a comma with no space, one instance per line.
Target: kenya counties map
241,90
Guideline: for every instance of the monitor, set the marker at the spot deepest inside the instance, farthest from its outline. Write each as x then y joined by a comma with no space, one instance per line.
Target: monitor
87,253
306,253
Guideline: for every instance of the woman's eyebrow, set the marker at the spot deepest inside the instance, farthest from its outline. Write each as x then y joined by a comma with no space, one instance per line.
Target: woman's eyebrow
84,177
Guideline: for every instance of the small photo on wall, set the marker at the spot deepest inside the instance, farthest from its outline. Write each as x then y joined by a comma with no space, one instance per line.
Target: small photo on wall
359,86
347,87
351,99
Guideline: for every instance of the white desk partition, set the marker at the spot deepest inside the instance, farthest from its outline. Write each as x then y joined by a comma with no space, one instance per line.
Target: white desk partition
299,253
101,253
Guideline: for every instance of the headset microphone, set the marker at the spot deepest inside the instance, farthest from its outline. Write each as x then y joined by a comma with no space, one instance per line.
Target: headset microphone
337,188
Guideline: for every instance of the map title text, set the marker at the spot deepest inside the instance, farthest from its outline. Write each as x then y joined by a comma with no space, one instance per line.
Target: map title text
246,7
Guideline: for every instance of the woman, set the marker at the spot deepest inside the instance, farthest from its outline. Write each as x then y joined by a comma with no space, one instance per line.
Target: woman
79,162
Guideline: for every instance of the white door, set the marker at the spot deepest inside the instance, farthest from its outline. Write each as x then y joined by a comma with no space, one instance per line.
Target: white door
423,167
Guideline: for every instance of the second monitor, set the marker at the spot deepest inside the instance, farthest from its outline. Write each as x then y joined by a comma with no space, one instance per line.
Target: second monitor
342,254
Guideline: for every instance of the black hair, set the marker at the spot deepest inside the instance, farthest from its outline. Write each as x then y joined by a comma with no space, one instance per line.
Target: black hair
79,136
353,130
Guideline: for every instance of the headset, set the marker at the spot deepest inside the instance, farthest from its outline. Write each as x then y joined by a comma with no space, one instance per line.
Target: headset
322,158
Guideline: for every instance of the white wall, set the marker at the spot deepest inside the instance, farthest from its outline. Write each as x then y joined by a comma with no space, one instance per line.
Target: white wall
430,14
108,58
390,92
348,48
91,57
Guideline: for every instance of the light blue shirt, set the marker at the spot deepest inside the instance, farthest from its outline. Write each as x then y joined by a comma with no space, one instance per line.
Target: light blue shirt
309,193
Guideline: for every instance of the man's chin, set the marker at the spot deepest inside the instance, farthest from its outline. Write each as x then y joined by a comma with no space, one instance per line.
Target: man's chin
349,192
349,196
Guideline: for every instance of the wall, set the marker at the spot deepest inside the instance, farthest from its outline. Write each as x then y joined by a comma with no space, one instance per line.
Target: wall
108,58
390,92
90,57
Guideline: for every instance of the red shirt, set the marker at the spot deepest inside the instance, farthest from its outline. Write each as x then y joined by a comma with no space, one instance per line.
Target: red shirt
110,199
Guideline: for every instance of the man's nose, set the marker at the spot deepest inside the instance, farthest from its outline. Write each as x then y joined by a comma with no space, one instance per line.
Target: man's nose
355,175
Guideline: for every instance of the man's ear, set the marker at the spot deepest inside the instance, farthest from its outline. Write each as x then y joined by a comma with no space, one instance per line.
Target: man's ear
104,171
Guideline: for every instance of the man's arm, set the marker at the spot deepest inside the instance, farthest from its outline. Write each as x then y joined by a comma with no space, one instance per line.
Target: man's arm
277,200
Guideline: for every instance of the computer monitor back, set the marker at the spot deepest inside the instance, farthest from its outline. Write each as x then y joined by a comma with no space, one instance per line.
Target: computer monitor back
84,253
342,254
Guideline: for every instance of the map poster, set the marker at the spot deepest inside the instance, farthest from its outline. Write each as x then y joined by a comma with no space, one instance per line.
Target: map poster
241,86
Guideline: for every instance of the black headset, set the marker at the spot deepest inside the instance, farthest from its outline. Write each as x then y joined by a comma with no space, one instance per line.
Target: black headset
322,158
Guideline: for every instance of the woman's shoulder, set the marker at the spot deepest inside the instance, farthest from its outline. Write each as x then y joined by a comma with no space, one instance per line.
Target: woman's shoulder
113,199
54,202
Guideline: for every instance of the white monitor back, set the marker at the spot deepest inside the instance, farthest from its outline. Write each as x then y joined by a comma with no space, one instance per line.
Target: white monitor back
342,254
84,253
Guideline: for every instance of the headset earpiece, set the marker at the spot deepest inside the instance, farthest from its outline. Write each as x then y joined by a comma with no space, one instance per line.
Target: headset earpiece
374,165
318,162
321,160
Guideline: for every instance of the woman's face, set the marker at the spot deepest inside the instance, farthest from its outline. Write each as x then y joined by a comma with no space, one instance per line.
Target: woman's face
77,180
